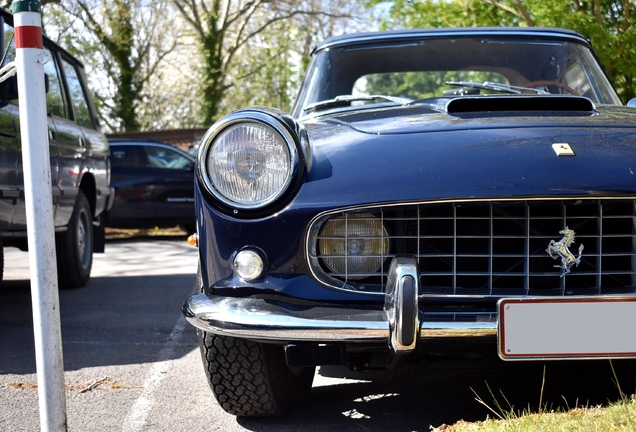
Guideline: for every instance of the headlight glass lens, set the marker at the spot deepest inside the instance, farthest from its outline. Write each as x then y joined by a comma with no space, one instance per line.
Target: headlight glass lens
250,164
354,246
248,265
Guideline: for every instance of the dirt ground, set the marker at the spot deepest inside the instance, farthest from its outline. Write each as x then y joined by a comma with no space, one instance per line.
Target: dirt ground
120,233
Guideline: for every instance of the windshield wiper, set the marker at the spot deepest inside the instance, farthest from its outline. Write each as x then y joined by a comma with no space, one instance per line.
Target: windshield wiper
505,88
346,99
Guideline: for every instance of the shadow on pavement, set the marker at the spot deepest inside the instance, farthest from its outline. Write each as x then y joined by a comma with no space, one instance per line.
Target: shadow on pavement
440,396
128,320
111,321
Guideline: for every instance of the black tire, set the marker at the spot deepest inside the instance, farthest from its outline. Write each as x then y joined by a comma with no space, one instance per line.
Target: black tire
251,379
74,247
99,236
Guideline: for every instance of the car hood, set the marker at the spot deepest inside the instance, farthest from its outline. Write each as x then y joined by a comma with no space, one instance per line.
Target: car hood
428,152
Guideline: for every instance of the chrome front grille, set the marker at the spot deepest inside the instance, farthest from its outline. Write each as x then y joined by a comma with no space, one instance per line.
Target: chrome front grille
485,248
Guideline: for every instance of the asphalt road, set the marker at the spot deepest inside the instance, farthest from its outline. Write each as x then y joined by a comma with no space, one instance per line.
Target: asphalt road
132,363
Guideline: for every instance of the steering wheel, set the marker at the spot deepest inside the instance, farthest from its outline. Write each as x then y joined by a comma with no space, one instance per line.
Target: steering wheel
551,83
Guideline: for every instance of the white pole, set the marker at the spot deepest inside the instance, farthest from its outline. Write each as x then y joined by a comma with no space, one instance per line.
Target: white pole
30,61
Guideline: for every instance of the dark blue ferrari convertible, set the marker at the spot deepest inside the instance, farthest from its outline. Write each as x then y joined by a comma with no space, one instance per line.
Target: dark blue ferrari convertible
428,188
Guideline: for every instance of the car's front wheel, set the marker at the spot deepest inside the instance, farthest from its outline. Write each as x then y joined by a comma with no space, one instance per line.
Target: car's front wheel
251,379
74,247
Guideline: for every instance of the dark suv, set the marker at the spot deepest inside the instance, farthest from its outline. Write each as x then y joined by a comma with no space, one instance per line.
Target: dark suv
80,162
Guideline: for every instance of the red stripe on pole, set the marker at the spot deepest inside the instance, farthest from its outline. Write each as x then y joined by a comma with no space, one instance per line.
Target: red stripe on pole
28,37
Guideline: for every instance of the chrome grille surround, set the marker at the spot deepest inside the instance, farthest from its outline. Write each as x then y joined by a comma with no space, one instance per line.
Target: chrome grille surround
497,248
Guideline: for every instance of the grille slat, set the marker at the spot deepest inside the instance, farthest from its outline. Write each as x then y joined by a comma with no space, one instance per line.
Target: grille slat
490,248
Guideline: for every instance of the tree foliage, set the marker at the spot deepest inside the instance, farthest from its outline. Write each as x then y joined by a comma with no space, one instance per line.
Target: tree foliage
123,42
607,23
157,65
246,46
269,69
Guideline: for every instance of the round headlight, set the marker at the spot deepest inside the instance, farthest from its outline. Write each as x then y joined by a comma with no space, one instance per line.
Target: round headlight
354,246
250,164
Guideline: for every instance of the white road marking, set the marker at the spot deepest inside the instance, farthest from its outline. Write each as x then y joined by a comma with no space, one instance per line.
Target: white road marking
138,414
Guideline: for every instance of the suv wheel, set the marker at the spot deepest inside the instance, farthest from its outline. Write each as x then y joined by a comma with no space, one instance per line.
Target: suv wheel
75,247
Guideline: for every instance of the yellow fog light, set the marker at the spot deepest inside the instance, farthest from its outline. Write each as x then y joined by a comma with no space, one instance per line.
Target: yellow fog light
354,246
248,265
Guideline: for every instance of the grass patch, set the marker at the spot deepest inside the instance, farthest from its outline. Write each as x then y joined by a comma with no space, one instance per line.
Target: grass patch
617,416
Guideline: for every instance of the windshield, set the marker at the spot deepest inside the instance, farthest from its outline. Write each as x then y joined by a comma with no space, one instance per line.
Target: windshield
445,67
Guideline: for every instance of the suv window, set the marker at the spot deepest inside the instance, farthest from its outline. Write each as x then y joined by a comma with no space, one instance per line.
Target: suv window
55,102
9,42
78,97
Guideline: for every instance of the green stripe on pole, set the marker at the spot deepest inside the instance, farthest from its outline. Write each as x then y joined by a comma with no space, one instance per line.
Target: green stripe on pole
25,6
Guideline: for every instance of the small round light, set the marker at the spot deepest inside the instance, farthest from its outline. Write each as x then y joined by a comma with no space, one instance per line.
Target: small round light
248,265
354,246
193,240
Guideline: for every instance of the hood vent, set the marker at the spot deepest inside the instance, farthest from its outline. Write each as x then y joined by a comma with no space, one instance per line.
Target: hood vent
520,103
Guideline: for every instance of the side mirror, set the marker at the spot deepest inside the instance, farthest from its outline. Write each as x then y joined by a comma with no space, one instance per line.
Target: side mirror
9,88
632,103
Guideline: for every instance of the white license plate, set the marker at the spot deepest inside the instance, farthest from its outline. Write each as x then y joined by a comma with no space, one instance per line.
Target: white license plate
567,328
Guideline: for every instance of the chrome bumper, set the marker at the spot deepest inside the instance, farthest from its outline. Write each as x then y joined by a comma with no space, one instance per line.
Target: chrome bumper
398,324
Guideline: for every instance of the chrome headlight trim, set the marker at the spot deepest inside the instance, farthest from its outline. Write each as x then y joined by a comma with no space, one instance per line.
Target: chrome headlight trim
227,124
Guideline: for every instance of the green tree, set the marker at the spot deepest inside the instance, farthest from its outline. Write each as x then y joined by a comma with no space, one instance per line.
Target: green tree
268,72
230,54
125,41
607,23
265,76
244,48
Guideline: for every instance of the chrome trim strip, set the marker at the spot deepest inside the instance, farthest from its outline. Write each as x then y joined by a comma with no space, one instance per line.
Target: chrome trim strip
469,200
262,320
237,118
405,35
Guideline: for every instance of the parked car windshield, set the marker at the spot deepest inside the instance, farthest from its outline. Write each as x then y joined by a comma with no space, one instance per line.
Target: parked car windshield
450,67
